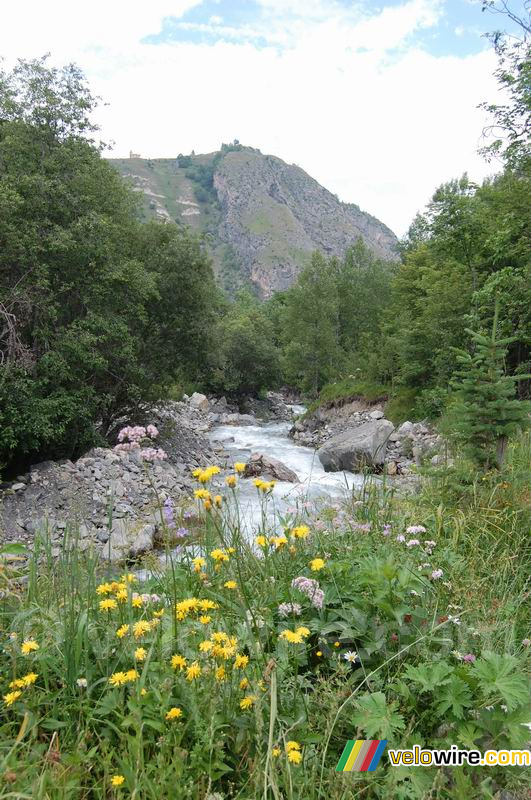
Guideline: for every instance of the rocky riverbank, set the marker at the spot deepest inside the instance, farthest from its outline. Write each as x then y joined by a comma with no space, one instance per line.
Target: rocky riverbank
356,436
111,499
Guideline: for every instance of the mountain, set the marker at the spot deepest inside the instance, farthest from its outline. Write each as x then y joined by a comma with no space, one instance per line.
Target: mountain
261,218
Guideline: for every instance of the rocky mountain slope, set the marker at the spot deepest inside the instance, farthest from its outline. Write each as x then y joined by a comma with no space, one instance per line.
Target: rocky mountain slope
261,218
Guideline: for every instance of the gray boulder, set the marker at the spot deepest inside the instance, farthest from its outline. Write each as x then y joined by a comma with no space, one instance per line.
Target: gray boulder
258,464
199,401
354,449
128,540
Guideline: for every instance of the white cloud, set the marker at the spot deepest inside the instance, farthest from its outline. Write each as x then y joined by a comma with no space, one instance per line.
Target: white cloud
350,98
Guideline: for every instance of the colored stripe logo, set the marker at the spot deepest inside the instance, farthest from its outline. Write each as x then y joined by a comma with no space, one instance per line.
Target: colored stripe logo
361,755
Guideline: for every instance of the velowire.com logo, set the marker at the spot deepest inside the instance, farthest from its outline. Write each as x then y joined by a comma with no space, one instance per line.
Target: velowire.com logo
361,755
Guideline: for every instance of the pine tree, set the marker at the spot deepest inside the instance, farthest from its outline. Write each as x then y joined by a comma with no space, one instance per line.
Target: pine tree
486,412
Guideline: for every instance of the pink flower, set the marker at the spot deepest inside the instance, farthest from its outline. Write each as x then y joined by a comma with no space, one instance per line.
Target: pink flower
416,529
412,543
469,658
152,431
437,574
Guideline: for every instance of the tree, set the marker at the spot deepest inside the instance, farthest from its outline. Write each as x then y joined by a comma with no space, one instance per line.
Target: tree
485,412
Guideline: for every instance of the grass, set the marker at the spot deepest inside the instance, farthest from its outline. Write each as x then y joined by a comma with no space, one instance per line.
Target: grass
264,710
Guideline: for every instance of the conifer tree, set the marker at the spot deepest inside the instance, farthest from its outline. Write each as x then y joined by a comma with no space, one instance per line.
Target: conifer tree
486,412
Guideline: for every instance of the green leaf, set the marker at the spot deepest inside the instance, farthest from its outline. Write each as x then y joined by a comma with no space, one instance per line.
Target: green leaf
430,676
498,680
378,719
454,696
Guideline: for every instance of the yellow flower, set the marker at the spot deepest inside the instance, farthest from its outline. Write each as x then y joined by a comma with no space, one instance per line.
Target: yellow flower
240,662
230,585
122,630
158,614
231,481
244,683
292,745
198,563
247,702
174,713
219,636
220,674
121,596
319,654
108,604
24,682
143,692
300,532
104,588
278,541
178,662
11,697
208,605
295,637
204,619
336,644
128,578
202,494
136,602
140,628
219,555
261,541
117,780
239,467
193,671
317,564
131,675
294,757
206,646
118,679
304,632
28,645
275,752
218,500
207,505
140,653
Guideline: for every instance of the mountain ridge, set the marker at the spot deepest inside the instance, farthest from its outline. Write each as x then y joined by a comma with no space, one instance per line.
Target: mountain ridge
260,217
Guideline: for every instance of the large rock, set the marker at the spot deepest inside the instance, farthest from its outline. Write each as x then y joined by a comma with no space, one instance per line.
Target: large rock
354,449
199,401
258,464
129,540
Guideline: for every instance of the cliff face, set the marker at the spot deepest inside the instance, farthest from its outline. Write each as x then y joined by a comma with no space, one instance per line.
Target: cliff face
262,218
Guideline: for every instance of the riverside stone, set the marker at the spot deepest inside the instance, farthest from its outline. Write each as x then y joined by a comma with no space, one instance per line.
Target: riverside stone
354,449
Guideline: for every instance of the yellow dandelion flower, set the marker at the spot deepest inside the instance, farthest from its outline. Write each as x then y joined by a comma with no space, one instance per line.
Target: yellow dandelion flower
219,555
131,675
231,481
140,653
336,644
219,636
140,628
279,541
174,713
206,646
244,683
304,632
193,671
12,697
319,654
122,631
158,614
29,679
207,505
239,467
154,622
202,494
121,596
218,500
204,619
275,752
230,585
247,702
28,646
292,745
178,662
261,541
220,673
117,780
240,662
136,602
208,605
198,563
300,532
294,757
316,564
108,604
104,588
118,679
143,692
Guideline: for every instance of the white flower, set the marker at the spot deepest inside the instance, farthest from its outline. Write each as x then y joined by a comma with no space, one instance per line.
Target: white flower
400,538
454,620
436,574
82,683
351,656
416,529
412,543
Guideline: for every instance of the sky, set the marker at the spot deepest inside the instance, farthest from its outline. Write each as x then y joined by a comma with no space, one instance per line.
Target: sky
375,100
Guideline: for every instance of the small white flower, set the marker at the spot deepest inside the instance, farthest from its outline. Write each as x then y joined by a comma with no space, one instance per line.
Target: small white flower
504,708
454,620
82,683
351,656
412,543
437,574
400,538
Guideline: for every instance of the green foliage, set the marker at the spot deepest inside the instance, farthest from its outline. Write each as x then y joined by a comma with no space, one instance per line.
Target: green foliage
485,412
97,311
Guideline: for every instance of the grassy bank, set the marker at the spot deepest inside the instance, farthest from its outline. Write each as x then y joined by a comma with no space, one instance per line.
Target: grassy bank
400,403
241,670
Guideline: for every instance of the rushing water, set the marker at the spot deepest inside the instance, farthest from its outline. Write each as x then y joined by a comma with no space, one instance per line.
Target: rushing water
271,439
